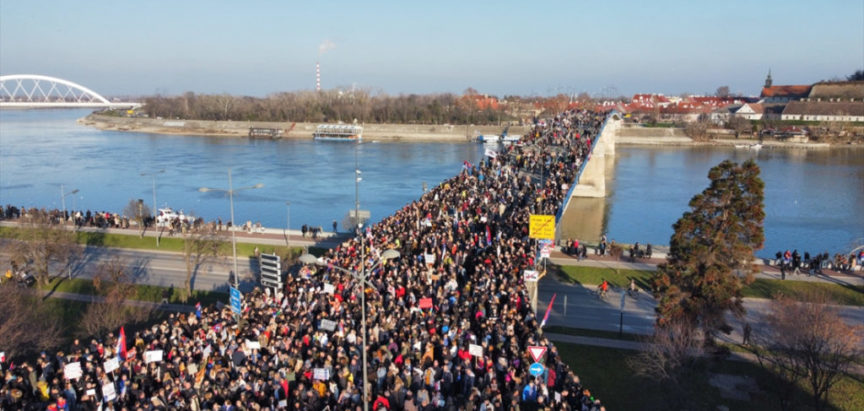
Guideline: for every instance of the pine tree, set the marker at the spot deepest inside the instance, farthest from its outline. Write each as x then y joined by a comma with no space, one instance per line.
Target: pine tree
711,251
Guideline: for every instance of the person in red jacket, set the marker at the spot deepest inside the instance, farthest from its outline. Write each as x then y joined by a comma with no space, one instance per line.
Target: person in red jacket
381,402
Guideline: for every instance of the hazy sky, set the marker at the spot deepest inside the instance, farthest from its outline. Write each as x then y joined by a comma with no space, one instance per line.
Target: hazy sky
497,47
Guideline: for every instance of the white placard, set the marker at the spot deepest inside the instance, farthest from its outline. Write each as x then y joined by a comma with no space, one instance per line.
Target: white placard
111,364
72,370
475,350
283,403
429,259
253,345
328,325
530,276
321,373
329,288
207,351
91,391
108,392
152,356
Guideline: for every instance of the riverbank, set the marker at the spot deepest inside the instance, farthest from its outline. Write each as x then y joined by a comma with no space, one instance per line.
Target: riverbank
636,135
240,129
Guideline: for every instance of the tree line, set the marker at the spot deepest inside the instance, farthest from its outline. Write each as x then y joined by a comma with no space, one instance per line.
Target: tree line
332,106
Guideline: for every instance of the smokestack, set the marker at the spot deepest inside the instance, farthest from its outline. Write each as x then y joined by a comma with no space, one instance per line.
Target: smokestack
317,76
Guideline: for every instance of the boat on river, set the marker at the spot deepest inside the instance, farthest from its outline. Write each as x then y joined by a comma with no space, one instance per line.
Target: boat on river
500,138
338,132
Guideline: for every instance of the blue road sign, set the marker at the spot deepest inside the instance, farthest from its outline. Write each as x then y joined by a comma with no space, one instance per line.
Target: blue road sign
536,369
236,299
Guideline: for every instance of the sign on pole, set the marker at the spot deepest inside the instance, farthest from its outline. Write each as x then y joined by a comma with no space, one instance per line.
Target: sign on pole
541,227
536,352
271,271
530,276
536,369
236,300
152,356
475,350
327,325
111,364
545,248
72,370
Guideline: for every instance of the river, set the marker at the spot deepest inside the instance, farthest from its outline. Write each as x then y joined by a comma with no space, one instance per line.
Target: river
813,197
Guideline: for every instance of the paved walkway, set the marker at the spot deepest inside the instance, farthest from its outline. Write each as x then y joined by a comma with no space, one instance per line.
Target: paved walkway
766,271
135,303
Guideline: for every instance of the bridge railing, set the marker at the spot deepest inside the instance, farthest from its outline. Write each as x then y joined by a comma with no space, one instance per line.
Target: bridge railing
595,141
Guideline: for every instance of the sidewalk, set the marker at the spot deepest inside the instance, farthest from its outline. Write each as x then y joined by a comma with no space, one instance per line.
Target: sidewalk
766,271
135,303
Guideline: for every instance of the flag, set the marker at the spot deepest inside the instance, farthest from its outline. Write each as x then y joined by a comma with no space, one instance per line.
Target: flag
548,309
121,345
2,356
491,153
488,235
198,310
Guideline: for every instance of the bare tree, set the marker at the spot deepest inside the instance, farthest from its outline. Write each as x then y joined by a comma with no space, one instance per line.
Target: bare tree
201,244
25,325
723,91
740,125
674,355
42,242
808,341
138,211
112,311
697,130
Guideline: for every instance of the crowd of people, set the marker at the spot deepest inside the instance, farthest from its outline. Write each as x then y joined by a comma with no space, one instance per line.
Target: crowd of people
449,321
794,262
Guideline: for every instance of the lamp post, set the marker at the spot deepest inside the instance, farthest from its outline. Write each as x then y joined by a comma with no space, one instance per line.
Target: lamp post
155,210
63,195
362,277
231,190
288,225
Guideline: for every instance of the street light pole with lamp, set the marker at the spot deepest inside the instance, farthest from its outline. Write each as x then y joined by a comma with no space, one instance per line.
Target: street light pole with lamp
155,209
63,195
231,190
362,277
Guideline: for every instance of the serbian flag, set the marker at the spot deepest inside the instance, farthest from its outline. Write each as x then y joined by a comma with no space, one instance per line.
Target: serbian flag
198,310
548,309
121,345
488,235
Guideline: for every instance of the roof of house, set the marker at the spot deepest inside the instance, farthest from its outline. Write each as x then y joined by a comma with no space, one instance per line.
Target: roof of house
786,91
756,107
825,108
839,89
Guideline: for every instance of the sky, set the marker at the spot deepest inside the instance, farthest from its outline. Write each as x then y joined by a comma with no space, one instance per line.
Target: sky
527,48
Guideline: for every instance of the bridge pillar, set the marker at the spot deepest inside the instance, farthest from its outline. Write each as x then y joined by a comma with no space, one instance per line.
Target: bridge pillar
592,182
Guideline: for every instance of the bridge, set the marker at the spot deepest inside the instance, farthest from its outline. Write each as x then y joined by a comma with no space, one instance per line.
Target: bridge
37,91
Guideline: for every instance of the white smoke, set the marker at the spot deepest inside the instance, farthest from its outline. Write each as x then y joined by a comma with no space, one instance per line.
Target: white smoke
325,46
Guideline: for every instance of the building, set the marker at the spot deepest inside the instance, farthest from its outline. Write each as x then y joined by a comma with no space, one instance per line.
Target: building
782,94
819,110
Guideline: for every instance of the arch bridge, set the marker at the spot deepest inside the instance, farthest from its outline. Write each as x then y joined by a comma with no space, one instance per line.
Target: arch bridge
37,91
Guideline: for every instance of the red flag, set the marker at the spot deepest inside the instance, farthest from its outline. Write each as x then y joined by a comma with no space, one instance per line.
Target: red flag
548,309
121,345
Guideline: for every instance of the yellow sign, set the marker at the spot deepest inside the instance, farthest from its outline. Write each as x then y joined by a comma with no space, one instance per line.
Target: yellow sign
541,227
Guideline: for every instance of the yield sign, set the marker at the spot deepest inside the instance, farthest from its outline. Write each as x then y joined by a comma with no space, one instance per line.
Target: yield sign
536,352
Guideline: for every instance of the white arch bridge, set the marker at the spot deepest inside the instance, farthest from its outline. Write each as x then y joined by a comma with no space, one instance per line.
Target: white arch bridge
37,91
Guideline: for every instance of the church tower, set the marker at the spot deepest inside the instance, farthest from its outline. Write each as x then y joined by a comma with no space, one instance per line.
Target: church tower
768,81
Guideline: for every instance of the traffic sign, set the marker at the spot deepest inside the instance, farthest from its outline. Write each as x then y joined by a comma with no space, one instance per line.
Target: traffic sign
536,352
271,271
536,369
236,300
541,227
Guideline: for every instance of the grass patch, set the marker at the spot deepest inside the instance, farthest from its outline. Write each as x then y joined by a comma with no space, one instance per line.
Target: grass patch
616,277
142,292
841,294
584,332
606,373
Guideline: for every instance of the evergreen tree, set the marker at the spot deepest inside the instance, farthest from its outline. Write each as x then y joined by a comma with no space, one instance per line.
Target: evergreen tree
711,252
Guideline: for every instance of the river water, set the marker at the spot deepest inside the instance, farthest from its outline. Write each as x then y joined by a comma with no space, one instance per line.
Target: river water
814,198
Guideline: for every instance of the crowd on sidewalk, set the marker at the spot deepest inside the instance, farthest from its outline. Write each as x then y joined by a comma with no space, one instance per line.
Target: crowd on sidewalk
449,320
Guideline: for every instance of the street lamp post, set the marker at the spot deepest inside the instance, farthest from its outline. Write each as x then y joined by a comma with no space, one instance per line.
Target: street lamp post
288,225
362,277
231,190
63,195
155,210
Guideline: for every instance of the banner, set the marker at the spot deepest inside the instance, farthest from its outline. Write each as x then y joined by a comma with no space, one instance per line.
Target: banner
425,303
321,374
111,364
327,325
152,356
72,370
541,227
475,350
